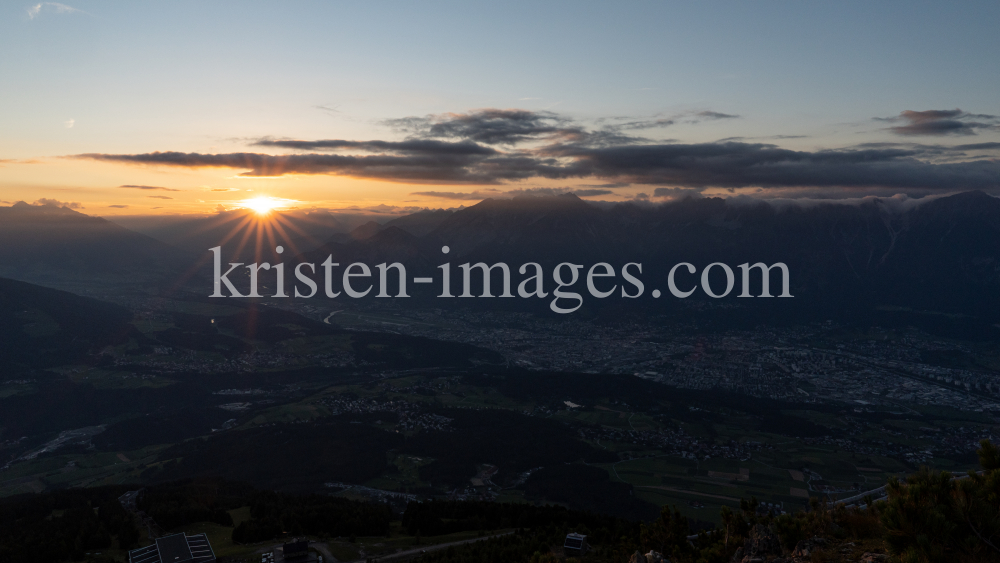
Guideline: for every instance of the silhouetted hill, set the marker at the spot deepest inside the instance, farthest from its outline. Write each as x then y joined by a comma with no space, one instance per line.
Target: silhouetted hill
391,243
42,327
57,246
362,232
517,228
422,222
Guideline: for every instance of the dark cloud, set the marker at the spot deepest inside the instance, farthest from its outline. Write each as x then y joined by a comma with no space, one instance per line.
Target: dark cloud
160,197
591,193
607,137
148,188
554,191
777,137
946,152
711,115
646,124
610,186
978,147
940,122
841,194
497,194
729,164
459,195
414,146
676,193
685,117
441,168
118,206
741,165
490,126
556,149
544,192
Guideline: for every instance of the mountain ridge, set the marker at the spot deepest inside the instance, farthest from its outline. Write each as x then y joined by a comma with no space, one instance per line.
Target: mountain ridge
941,255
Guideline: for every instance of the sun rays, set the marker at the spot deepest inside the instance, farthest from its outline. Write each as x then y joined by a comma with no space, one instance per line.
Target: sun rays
264,205
253,229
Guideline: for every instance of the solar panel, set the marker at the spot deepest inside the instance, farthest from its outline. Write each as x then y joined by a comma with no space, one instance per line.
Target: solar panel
175,548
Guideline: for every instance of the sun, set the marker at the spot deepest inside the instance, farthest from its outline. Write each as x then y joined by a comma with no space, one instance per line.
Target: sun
262,205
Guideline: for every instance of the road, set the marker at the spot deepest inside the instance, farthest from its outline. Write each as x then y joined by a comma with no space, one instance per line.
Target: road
419,551
324,550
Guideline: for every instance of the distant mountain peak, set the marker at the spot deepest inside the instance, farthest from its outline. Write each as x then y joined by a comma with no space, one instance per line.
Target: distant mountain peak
531,203
22,208
368,230
422,222
58,246
393,233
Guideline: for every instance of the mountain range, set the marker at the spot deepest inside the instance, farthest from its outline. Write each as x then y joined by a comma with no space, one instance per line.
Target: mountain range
58,247
941,257
937,258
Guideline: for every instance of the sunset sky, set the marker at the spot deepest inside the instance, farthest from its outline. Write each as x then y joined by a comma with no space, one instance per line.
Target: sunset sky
131,108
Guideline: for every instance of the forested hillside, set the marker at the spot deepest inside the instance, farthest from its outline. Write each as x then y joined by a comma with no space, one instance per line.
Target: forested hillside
928,518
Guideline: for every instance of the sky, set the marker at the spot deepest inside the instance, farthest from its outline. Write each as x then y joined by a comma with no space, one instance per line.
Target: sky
192,107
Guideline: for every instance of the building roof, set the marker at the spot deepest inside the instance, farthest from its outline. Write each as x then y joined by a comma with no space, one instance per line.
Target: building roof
575,541
175,548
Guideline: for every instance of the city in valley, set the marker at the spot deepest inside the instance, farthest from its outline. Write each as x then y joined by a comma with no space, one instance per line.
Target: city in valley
685,416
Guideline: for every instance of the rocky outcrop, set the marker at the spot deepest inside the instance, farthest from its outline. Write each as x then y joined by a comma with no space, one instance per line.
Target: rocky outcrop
803,549
651,557
762,546
762,542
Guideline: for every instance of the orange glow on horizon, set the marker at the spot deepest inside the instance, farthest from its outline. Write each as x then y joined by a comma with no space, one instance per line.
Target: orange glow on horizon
263,205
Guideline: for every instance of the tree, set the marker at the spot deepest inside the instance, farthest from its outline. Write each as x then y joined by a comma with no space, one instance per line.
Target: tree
668,535
935,517
728,521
